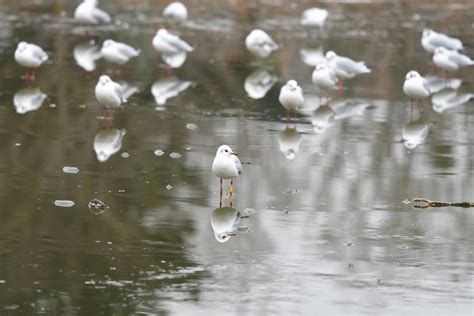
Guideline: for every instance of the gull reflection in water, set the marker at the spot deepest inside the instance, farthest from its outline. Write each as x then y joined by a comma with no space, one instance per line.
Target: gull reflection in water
415,133
325,116
174,60
107,142
438,83
86,55
167,88
225,223
289,140
28,99
448,99
258,83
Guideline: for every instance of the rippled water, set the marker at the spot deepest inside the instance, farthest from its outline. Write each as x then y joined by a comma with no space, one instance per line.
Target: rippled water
319,213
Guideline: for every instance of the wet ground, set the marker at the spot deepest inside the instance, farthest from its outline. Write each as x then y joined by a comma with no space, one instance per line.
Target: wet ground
321,213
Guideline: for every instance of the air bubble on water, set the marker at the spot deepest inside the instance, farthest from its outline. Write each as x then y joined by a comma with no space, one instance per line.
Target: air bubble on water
175,155
191,126
159,152
64,203
68,169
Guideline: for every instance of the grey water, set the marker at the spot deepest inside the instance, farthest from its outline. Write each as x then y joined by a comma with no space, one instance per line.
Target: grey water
322,217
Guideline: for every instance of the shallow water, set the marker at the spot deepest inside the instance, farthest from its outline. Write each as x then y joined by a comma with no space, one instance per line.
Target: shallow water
326,231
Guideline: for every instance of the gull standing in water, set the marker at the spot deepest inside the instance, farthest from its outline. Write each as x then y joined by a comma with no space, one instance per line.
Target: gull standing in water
314,17
324,77
88,12
176,11
450,60
226,165
86,55
345,68
415,86
291,97
30,56
118,53
173,48
109,93
430,40
260,43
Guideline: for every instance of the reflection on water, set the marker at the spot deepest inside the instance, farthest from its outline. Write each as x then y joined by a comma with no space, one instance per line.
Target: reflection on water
85,231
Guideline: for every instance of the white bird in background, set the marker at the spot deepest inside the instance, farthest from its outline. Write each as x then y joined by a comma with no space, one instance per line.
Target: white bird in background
450,60
260,43
448,99
30,56
168,43
28,99
107,142
176,11
258,83
225,223
415,133
312,56
86,55
226,165
168,88
415,86
289,141
324,77
314,17
344,67
430,40
438,83
88,12
118,53
291,97
108,92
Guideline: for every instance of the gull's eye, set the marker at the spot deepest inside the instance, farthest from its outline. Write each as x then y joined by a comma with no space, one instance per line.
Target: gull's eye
226,150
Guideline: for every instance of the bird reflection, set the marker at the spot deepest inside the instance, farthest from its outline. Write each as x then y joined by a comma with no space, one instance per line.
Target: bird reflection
415,133
258,83
86,55
289,140
167,88
323,118
312,56
448,99
225,222
127,89
437,83
28,99
107,142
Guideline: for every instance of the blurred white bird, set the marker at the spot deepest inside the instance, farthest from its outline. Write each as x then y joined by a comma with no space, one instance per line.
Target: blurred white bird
88,12
448,99
324,77
118,53
30,56
450,60
176,11
167,88
289,141
438,83
260,43
415,133
415,86
344,67
258,83
314,17
108,92
291,97
28,99
86,55
225,223
168,43
430,40
107,142
312,56
226,165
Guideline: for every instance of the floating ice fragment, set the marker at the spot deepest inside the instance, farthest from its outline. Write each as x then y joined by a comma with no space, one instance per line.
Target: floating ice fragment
175,155
406,201
64,203
169,187
191,126
125,155
159,152
67,169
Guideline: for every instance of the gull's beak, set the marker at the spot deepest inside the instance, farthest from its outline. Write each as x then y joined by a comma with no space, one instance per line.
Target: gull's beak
235,154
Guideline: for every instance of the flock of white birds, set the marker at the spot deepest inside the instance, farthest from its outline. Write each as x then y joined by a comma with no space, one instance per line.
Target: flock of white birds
327,75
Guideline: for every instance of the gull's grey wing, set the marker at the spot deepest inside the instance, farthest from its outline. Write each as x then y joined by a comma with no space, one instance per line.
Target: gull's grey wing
347,65
238,164
38,52
459,59
100,16
426,85
333,76
127,50
119,92
443,40
175,41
